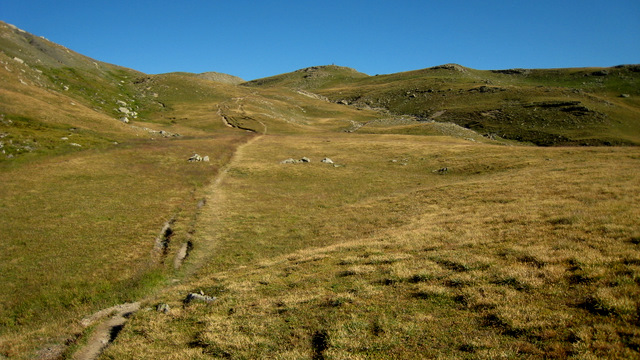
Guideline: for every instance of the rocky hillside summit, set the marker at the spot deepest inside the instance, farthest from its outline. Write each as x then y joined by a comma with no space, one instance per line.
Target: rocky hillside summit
220,77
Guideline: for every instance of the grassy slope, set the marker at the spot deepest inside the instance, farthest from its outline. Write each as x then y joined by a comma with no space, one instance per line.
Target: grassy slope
85,217
84,195
545,107
514,252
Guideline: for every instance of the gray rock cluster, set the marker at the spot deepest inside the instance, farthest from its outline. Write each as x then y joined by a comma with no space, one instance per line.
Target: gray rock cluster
294,161
304,160
199,297
197,158
126,111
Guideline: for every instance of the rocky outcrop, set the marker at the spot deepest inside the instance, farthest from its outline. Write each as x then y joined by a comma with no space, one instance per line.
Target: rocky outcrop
454,67
512,71
199,298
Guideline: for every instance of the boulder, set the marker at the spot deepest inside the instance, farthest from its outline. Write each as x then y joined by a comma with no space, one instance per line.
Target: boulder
205,158
305,160
199,297
124,119
327,161
289,161
163,308
195,157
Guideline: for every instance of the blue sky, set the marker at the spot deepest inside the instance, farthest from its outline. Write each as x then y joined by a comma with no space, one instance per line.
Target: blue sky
254,39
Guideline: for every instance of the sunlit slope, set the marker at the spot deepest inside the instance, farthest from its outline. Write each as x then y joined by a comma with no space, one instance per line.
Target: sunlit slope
185,101
310,78
511,252
589,106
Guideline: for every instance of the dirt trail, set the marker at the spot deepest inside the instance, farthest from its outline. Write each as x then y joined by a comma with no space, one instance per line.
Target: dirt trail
114,318
106,331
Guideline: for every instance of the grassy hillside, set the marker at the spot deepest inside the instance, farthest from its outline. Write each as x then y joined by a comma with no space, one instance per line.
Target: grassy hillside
591,106
512,252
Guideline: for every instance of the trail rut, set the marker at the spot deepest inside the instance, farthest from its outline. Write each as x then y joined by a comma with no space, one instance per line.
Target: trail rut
112,320
106,331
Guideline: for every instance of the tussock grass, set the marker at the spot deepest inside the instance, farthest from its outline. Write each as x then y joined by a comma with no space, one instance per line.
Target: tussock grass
516,252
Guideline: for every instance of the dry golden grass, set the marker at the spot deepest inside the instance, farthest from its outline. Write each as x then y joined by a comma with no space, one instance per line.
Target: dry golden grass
513,252
79,229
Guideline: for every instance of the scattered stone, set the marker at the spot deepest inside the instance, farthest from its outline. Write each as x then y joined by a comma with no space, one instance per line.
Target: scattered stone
443,170
293,161
195,158
205,158
124,119
74,144
121,103
327,161
123,110
625,95
199,297
18,60
163,308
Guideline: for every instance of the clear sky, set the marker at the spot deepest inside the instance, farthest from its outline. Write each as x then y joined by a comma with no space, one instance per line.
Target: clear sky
254,39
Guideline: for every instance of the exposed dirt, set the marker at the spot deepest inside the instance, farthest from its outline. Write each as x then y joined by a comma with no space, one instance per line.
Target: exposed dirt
182,254
106,331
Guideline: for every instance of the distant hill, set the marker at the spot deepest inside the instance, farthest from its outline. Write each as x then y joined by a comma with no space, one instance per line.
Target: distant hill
313,77
586,106
220,77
